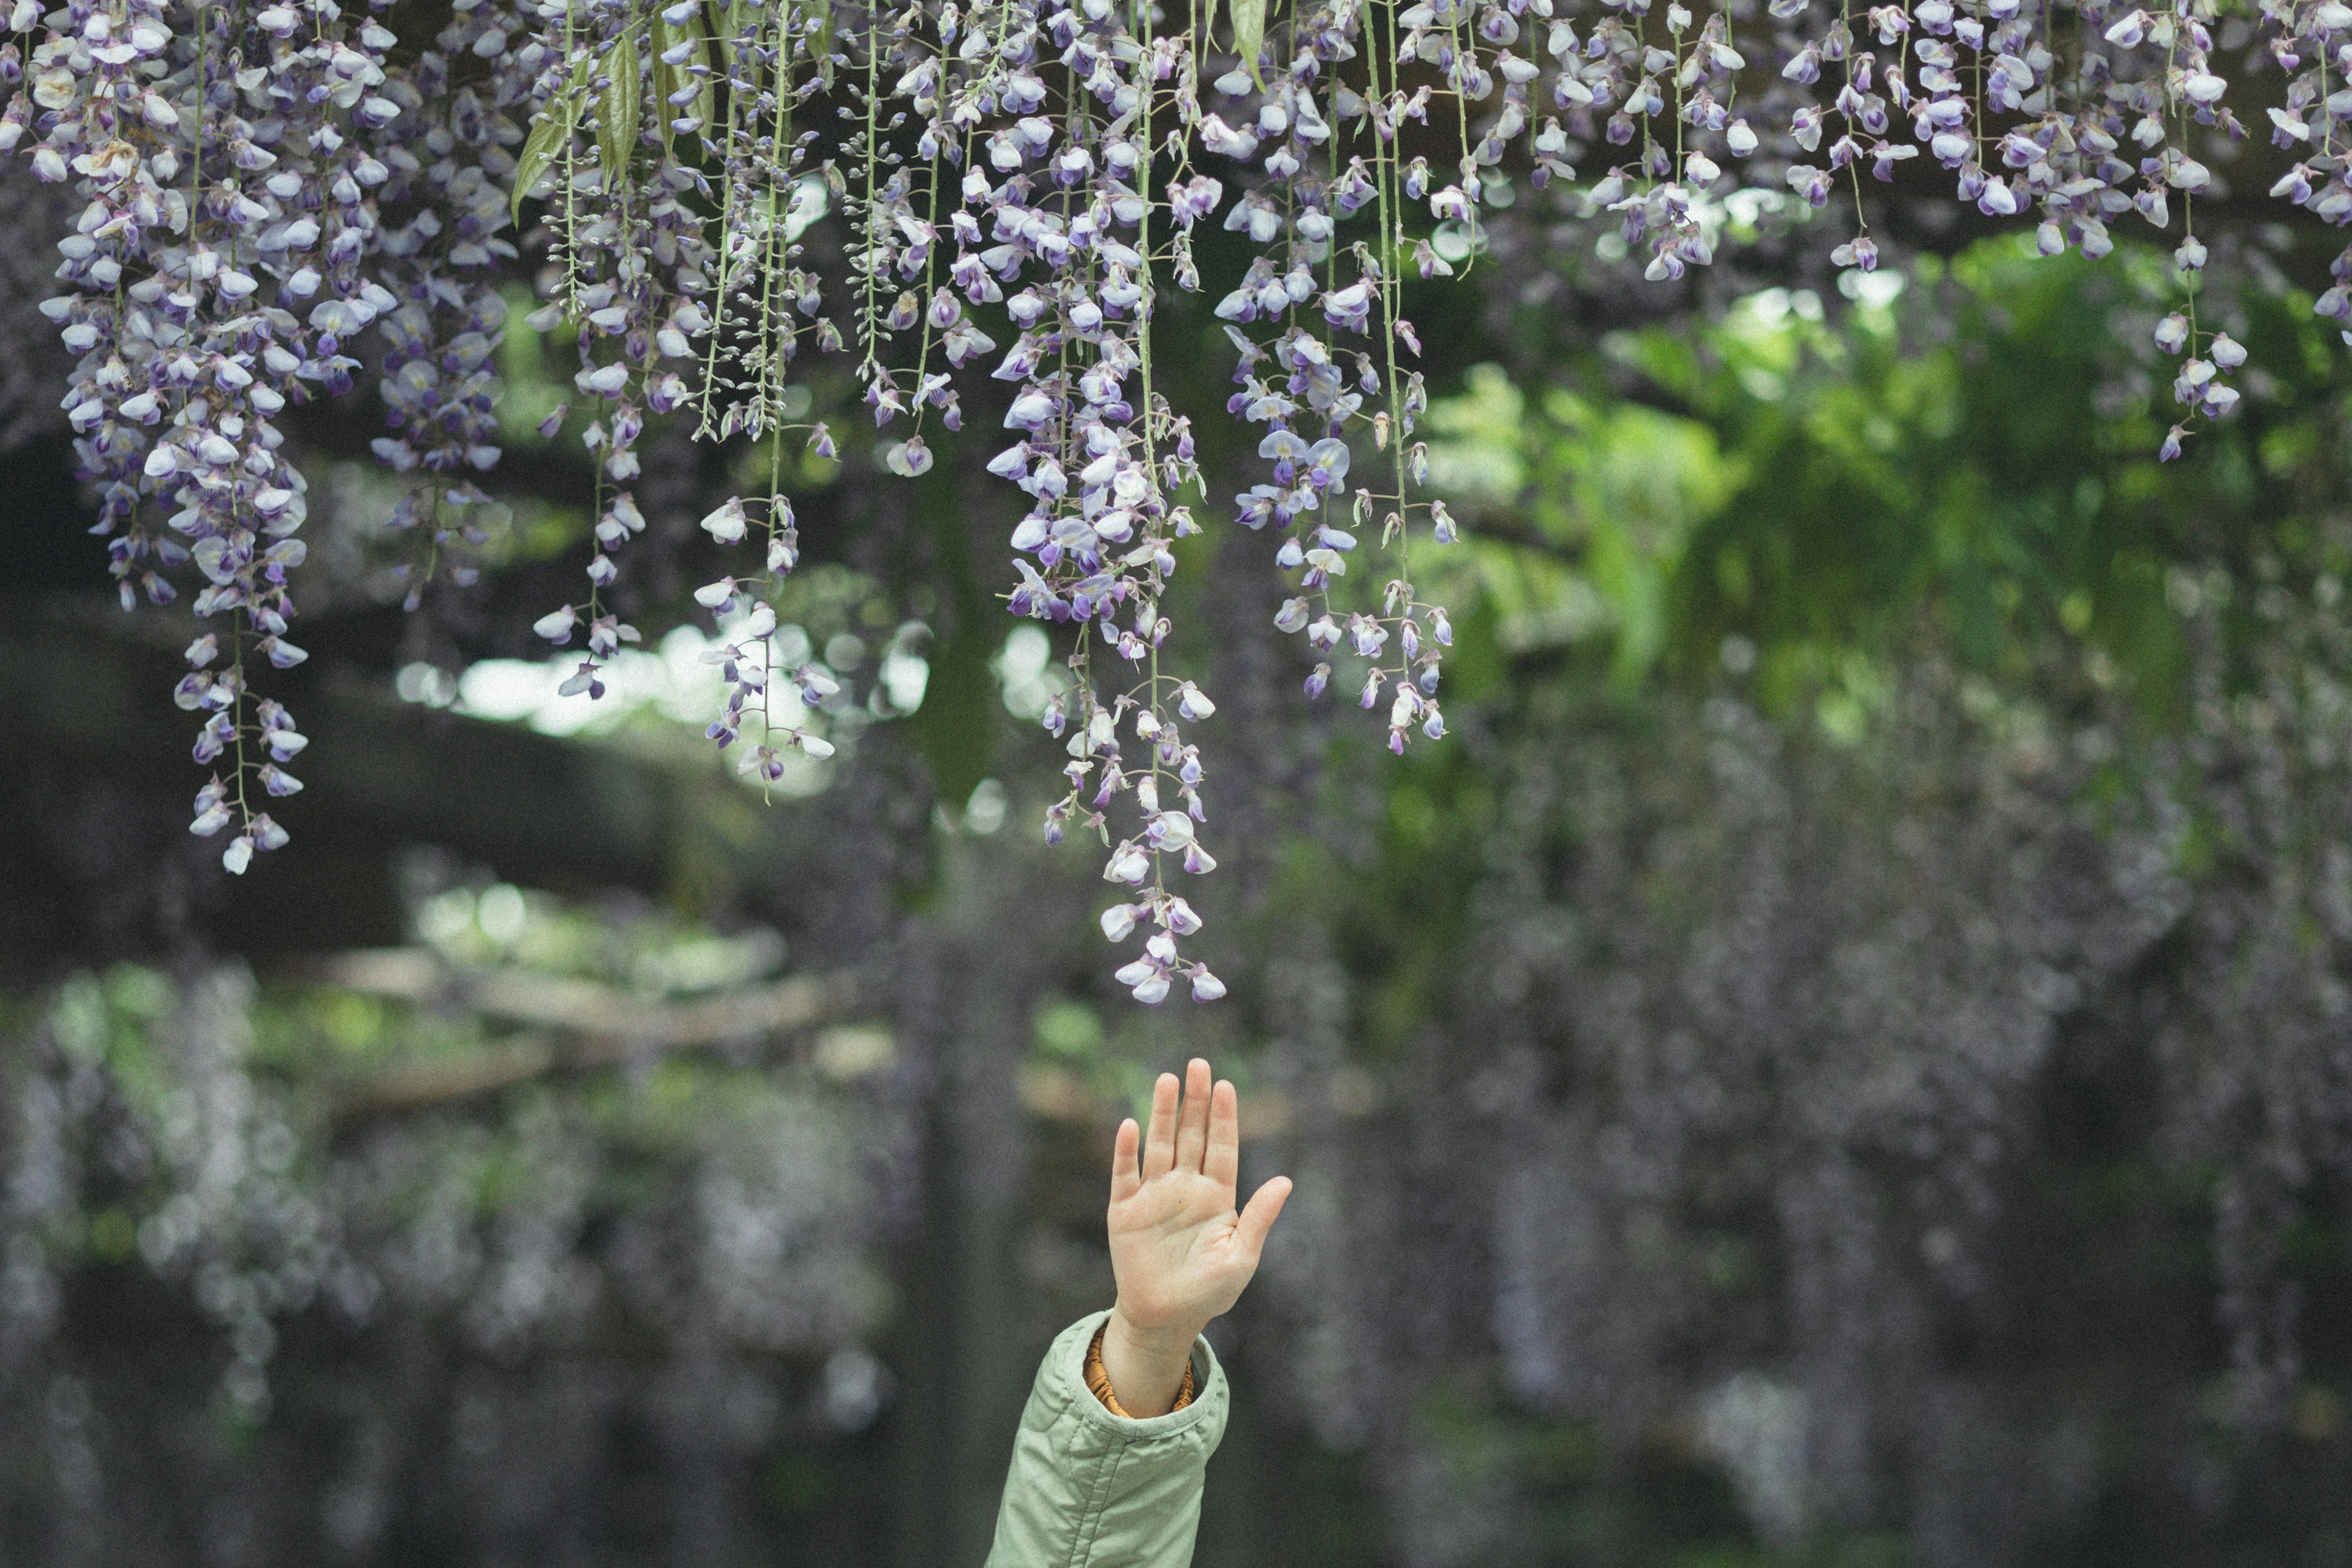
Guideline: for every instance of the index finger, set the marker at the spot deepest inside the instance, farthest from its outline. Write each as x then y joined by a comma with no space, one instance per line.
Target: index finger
1160,1142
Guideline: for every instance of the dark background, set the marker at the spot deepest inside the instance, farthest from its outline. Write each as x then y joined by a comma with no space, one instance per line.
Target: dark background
1839,1058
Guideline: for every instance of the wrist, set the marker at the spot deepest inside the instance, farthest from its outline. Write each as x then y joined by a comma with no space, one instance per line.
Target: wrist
1159,1334
1146,1363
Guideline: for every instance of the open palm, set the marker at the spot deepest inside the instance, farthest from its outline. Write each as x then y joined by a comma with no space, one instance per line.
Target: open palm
1179,1251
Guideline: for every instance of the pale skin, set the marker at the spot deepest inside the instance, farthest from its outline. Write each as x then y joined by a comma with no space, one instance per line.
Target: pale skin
1180,1253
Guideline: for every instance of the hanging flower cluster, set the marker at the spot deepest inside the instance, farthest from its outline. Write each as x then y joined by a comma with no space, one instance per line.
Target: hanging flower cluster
448,153
1014,182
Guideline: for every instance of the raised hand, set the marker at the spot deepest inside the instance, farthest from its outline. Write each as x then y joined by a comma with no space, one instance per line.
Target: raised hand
1180,1253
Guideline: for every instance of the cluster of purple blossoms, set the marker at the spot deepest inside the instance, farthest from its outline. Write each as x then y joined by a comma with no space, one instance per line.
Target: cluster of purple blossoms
1308,375
216,274
265,180
747,658
1055,224
450,153
653,122
630,256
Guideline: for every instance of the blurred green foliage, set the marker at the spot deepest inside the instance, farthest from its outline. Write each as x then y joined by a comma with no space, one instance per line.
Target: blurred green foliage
1968,469
1794,501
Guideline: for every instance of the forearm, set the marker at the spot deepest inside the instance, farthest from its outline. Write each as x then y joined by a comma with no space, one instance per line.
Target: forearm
1088,1488
1145,1364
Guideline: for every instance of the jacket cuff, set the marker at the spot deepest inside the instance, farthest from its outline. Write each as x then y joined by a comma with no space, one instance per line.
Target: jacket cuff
1065,1373
1098,1377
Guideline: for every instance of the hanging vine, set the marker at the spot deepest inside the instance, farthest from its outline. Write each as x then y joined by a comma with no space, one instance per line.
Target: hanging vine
267,181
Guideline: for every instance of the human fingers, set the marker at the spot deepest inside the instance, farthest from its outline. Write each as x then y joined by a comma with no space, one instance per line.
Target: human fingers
1264,1208
1223,1162
1193,1126
1124,1178
1160,1142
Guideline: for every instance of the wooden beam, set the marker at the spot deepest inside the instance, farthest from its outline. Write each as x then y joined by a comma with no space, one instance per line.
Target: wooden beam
89,697
571,1025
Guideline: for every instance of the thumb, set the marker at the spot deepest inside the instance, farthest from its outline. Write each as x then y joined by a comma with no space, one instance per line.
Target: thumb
1264,1207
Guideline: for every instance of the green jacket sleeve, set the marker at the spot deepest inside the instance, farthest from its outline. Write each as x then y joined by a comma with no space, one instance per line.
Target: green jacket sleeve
1090,1490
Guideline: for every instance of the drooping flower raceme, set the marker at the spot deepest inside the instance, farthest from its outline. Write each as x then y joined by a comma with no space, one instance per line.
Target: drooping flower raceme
450,153
1012,184
215,274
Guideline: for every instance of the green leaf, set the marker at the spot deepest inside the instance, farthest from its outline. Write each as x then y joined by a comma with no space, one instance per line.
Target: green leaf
670,79
1249,35
714,23
550,135
955,728
822,11
619,111
665,77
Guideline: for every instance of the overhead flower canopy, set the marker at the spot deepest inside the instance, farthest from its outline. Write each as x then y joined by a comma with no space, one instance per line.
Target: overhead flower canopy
1017,183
